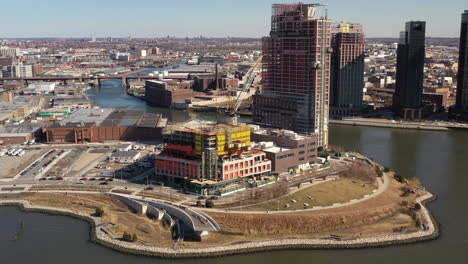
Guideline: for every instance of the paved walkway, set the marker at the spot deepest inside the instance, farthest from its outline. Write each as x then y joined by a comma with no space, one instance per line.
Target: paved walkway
383,183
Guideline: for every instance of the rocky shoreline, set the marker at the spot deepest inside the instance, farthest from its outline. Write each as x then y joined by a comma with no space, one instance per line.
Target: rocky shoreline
100,237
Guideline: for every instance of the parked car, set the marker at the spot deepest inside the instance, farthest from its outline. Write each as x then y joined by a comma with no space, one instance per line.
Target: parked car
83,179
149,189
104,183
59,178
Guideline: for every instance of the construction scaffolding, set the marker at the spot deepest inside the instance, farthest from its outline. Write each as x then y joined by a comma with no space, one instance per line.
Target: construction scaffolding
296,71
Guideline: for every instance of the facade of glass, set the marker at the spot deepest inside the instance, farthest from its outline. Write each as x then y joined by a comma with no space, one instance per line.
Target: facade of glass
347,70
407,100
462,85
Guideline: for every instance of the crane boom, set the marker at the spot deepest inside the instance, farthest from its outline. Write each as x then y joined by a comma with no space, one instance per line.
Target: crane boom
249,80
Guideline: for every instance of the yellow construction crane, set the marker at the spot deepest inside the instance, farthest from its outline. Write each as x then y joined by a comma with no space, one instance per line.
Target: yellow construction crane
249,80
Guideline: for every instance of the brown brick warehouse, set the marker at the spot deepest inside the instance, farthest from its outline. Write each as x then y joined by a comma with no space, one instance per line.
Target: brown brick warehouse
97,125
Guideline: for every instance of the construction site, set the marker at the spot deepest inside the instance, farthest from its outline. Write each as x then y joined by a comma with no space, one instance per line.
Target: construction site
205,156
296,71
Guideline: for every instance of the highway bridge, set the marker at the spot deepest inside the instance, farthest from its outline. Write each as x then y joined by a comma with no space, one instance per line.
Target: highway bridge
95,79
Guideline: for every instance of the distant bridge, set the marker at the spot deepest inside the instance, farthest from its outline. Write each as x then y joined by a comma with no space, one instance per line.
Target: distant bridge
95,79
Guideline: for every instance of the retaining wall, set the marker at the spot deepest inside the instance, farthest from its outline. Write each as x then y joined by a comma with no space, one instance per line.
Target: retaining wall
154,212
139,207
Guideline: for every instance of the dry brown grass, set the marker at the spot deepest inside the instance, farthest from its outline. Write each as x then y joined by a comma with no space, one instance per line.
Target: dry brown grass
356,218
68,188
323,194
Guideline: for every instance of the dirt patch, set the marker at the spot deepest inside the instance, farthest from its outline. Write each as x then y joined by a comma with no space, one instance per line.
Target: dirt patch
85,161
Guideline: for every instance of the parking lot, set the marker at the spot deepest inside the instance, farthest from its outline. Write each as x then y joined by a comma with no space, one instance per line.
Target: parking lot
12,165
40,166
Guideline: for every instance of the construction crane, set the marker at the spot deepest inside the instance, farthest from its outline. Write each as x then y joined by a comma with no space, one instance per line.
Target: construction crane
249,80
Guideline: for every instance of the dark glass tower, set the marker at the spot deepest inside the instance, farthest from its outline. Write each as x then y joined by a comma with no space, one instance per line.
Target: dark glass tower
462,84
347,70
407,100
296,72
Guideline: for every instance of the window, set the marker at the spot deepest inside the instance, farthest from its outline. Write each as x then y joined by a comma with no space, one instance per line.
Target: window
291,155
302,146
302,152
312,150
312,156
301,159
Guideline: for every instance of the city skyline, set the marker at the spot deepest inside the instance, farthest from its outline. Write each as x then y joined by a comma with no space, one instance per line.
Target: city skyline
149,19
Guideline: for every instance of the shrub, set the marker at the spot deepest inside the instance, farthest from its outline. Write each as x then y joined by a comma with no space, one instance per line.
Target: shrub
417,207
134,238
209,204
386,169
127,237
399,178
406,191
198,204
417,222
99,212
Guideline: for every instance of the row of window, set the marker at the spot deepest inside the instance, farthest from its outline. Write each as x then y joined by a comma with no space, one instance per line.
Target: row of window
285,156
247,172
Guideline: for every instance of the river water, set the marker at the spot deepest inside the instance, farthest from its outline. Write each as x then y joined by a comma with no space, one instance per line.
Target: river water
439,159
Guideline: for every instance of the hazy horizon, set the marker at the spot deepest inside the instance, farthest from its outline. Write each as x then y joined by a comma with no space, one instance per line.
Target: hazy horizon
210,18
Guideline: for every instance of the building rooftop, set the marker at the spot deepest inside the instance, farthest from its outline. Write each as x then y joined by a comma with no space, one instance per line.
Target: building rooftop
203,125
19,129
206,68
71,100
125,154
96,115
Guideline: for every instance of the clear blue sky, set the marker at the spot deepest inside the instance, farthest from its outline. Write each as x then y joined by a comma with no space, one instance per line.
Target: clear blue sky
212,18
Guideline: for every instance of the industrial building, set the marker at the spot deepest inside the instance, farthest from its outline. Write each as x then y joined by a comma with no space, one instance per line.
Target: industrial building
407,101
347,70
287,150
18,107
462,85
296,72
97,125
19,133
199,153
166,93
74,101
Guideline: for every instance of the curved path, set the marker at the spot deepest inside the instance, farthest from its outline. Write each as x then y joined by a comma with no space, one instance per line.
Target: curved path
383,183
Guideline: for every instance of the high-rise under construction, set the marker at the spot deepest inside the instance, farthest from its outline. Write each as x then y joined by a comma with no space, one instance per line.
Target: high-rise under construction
296,71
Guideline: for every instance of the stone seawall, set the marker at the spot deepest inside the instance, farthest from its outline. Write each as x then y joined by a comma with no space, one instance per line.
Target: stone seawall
99,236
389,125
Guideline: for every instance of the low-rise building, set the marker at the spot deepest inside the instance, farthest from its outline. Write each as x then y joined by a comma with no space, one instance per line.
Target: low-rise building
61,102
287,150
207,151
126,157
167,93
104,124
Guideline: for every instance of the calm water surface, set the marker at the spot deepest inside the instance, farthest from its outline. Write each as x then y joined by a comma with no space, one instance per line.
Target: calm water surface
439,159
